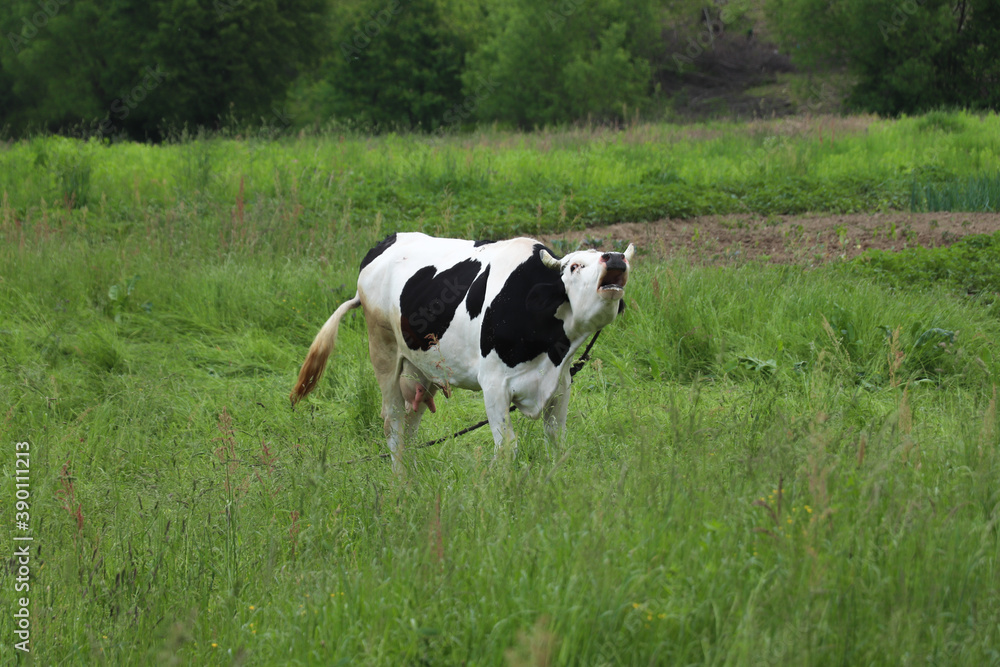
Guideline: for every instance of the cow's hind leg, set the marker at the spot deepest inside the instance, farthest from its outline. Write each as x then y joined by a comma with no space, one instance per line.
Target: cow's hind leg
387,363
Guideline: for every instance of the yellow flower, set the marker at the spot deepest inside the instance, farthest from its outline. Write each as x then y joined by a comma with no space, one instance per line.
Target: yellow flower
214,645
252,607
808,509
636,605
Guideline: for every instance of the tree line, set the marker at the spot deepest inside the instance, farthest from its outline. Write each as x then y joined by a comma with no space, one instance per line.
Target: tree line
144,69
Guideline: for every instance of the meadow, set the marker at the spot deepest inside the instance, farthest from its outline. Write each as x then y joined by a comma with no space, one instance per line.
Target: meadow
765,464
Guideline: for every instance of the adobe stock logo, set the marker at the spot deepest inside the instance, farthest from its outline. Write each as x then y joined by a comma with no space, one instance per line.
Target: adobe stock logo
462,110
452,292
38,20
121,107
365,32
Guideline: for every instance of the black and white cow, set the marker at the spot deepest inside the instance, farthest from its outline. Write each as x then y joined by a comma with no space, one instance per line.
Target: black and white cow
503,317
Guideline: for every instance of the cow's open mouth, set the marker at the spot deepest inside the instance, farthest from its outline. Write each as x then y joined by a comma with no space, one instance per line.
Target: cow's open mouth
613,280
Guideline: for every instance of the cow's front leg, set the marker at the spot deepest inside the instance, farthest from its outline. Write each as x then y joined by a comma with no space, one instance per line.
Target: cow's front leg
497,400
556,409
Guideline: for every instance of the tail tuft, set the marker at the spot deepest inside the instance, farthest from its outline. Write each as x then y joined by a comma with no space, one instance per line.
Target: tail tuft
319,352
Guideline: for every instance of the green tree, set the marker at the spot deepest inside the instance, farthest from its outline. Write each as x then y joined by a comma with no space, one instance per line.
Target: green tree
394,64
556,61
134,66
908,55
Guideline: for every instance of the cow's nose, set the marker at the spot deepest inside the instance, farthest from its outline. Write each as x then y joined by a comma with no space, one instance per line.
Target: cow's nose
615,261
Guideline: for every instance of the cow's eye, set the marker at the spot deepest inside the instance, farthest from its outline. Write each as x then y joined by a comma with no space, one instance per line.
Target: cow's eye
573,268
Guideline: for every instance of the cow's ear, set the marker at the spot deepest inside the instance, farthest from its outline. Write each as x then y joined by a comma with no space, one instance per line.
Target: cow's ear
545,298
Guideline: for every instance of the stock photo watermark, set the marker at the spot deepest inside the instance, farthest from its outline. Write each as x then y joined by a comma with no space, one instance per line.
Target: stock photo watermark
365,32
223,8
21,560
706,38
557,18
901,13
30,26
460,111
122,106
279,120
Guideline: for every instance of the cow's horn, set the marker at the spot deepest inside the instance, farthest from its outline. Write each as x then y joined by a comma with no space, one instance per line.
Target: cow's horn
629,252
548,260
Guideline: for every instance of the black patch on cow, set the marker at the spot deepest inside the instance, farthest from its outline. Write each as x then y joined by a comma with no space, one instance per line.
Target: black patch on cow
428,302
477,295
482,242
621,306
545,298
379,248
520,323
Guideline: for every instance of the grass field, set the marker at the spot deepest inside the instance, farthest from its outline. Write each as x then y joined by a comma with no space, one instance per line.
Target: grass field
765,464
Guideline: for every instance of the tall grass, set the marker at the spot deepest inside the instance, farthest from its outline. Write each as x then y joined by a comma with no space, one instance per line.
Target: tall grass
500,184
764,464
972,193
838,504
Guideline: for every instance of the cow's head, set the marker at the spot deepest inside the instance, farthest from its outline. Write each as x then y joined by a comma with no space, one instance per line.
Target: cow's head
594,282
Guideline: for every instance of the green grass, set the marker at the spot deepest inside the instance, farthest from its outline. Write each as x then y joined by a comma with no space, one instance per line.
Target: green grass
501,184
971,265
980,192
765,465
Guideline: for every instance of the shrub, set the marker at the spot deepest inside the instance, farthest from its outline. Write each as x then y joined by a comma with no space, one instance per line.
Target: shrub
971,264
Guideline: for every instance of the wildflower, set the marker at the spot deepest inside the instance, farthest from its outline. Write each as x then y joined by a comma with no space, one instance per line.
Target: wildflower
252,607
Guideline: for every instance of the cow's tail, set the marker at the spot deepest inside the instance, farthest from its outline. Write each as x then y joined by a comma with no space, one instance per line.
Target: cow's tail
319,351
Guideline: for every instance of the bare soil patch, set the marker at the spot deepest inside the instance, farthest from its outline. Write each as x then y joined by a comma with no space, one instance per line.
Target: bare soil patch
805,239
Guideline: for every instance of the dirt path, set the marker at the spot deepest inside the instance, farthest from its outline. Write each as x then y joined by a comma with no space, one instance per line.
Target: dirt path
807,239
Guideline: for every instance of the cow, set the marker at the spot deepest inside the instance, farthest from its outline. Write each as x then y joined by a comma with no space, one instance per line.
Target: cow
503,317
